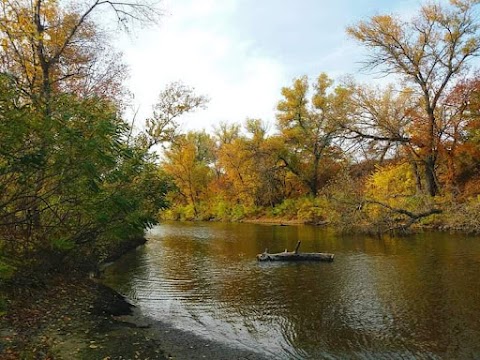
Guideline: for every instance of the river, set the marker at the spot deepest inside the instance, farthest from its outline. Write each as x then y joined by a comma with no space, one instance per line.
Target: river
393,298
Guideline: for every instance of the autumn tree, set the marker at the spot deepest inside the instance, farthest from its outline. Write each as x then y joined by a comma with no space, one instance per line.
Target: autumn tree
383,124
226,133
308,128
249,165
269,167
188,161
429,51
460,147
49,45
175,100
236,161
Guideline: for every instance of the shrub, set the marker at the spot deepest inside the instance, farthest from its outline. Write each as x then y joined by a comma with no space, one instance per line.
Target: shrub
312,210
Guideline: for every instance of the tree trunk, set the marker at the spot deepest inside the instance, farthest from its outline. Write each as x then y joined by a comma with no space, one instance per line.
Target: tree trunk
295,256
430,177
418,179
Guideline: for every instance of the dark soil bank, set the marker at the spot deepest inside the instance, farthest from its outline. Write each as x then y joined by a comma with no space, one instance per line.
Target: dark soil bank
78,318
72,319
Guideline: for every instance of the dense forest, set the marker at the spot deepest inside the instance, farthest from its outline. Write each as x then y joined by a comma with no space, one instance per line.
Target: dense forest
77,180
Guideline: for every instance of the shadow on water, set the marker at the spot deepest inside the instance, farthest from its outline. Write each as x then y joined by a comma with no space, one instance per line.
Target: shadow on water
416,297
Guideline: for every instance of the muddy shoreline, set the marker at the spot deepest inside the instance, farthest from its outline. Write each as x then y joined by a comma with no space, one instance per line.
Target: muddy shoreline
180,344
74,317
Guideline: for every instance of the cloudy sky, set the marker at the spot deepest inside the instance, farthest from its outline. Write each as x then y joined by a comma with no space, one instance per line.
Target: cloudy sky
241,53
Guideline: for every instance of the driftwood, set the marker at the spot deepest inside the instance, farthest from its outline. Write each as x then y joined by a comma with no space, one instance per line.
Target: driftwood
294,256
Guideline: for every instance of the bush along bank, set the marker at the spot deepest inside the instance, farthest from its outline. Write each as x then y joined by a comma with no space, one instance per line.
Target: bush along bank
350,212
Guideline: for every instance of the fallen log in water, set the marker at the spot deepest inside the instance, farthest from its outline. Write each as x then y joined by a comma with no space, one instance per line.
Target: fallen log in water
292,256
295,256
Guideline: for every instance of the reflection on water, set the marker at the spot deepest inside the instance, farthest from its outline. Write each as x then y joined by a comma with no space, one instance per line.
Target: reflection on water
416,297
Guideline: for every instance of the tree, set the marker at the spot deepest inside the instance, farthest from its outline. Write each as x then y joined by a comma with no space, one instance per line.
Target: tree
188,162
93,184
460,147
174,101
384,124
429,51
48,45
69,177
309,128
226,133
249,165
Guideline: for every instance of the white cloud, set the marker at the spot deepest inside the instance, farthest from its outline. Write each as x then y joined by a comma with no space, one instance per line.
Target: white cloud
194,45
240,55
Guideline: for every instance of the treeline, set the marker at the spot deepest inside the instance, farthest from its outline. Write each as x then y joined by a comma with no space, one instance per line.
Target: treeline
350,154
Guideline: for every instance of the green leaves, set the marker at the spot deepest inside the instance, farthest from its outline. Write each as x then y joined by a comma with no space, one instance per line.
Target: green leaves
62,244
6,271
74,181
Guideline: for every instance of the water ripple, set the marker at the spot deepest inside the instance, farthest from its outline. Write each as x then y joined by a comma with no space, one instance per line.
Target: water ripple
414,298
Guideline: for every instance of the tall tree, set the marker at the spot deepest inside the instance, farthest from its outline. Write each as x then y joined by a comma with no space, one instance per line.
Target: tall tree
308,128
49,45
429,51
384,123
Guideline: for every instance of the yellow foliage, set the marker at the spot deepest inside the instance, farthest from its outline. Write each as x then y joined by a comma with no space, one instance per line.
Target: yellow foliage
390,187
390,182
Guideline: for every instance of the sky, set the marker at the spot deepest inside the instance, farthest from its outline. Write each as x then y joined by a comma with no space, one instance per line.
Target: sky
240,53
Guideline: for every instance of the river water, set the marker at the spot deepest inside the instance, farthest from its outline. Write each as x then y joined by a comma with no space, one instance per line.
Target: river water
395,298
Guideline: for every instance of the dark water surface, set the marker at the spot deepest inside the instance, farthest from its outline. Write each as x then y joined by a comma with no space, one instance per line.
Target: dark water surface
415,297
